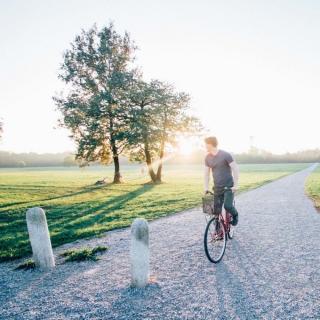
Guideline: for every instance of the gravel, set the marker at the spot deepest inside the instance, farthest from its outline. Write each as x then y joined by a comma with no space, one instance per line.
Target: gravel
270,269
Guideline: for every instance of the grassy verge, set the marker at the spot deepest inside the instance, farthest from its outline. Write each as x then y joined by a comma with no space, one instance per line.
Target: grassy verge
313,187
83,254
28,264
75,208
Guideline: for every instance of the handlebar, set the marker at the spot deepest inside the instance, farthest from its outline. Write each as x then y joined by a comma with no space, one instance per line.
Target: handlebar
225,188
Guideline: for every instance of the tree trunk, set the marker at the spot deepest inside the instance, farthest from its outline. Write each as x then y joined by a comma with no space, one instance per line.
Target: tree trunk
149,162
117,175
159,171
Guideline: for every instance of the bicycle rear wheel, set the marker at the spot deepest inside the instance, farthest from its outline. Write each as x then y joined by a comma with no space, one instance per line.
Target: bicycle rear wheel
215,240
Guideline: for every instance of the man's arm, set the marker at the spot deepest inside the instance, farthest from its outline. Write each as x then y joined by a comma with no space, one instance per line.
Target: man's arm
206,178
235,174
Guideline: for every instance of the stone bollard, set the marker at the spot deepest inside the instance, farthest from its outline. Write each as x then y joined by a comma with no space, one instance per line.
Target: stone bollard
40,239
139,253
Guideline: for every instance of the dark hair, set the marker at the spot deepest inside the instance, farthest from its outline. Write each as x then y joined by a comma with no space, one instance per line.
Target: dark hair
211,140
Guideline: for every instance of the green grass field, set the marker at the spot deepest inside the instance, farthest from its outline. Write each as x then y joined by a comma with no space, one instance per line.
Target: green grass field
313,187
76,208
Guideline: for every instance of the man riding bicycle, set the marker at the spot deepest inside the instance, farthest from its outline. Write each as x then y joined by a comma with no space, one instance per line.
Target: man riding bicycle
225,177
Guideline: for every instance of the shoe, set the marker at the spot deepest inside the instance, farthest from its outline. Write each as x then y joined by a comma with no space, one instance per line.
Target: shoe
234,220
231,231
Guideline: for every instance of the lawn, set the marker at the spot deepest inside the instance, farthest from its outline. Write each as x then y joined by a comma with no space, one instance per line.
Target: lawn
313,187
75,208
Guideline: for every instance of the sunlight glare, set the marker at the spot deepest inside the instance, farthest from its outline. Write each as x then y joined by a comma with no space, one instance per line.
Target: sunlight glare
185,146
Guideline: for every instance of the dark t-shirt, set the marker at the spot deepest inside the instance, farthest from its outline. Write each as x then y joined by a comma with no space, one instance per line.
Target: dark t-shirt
221,170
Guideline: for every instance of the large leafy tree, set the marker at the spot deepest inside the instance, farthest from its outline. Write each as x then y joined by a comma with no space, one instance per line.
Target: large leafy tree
157,115
97,70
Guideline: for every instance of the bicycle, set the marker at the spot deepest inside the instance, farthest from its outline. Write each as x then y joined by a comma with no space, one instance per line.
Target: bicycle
218,229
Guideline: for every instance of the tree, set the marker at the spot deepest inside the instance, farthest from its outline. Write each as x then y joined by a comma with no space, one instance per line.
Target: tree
173,120
97,71
157,114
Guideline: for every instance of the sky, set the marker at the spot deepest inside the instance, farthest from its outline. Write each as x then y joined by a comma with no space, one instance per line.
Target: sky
252,68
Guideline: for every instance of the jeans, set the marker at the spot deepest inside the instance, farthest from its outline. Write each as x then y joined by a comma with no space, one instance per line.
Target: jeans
224,197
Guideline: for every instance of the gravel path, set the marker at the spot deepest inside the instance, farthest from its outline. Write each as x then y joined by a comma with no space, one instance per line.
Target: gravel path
270,269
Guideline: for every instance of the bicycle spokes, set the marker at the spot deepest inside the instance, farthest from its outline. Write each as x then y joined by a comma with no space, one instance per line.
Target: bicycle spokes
215,240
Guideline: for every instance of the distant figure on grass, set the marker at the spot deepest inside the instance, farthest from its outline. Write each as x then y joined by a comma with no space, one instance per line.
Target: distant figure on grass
225,177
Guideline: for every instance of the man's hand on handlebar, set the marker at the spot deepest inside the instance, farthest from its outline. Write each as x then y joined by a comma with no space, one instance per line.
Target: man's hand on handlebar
234,189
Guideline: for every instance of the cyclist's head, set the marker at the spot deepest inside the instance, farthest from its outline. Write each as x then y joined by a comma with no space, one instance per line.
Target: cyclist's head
211,143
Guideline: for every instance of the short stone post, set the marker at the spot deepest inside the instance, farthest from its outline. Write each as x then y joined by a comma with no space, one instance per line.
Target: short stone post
40,239
139,253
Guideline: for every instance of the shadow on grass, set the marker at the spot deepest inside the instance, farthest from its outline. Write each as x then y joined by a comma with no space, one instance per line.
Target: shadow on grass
69,222
95,214
87,189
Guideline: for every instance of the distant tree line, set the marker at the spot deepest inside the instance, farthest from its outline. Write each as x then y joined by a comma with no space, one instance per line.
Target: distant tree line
20,160
16,160
255,155
262,156
32,159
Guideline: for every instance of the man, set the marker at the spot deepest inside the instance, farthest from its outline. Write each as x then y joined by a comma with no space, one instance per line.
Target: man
225,177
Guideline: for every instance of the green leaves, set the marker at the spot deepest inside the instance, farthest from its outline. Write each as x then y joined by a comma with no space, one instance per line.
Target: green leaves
158,114
96,72
109,108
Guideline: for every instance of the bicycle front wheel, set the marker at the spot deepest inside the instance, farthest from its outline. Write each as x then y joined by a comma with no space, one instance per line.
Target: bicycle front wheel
215,240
